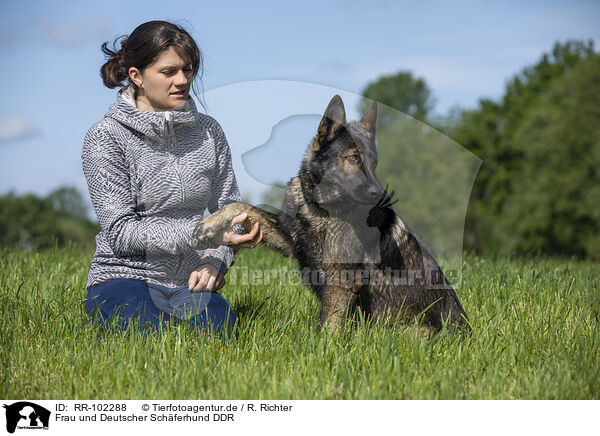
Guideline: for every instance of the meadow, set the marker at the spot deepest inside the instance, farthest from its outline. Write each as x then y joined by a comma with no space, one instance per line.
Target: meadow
535,321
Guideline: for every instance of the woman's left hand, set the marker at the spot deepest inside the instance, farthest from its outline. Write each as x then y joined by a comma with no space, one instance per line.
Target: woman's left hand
245,240
206,278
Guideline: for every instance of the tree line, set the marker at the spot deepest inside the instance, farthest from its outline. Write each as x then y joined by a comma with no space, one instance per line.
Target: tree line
34,222
537,190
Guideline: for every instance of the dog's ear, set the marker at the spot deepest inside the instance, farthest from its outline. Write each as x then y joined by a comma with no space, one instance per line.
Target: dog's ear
334,118
370,117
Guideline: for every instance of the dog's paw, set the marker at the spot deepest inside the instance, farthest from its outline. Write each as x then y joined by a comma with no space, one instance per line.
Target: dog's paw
207,230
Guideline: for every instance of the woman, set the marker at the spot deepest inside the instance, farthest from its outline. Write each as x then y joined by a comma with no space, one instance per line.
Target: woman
153,165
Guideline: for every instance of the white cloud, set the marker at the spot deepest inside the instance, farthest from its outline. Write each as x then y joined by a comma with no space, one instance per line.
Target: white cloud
348,4
335,67
74,33
16,128
48,30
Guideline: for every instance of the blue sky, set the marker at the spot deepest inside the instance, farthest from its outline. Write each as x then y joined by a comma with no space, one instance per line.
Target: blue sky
264,61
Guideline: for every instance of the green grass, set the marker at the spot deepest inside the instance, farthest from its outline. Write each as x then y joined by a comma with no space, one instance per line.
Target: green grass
535,336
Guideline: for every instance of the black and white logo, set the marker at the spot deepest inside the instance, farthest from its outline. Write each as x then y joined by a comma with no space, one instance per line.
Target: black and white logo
26,415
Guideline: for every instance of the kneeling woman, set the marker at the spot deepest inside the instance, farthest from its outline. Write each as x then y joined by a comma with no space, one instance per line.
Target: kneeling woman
153,164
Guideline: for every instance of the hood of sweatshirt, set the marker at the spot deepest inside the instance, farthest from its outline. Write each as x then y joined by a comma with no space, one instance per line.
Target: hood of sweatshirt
154,125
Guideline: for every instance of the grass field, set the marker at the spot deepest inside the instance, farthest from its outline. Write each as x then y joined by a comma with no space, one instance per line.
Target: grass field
536,325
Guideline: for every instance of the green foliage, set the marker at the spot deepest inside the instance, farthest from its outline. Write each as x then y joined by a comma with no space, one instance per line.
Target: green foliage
535,336
274,195
67,202
431,177
402,92
538,187
35,223
555,205
520,138
28,221
430,174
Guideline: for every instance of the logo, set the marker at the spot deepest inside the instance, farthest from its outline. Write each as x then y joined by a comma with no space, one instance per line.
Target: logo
26,415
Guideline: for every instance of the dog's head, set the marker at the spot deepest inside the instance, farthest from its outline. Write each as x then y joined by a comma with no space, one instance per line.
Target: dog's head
339,167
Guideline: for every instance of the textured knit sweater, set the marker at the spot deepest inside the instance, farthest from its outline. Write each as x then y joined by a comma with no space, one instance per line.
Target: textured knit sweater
151,175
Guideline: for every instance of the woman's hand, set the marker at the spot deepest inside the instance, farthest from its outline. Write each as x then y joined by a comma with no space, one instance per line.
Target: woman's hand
206,278
234,240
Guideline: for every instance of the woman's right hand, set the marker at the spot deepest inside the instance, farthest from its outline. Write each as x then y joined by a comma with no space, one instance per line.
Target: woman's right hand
206,279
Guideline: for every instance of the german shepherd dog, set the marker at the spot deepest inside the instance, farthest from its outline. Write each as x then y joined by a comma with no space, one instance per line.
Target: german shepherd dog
337,221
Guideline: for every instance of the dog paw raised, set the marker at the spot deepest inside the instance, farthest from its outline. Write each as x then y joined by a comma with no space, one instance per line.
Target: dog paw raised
207,230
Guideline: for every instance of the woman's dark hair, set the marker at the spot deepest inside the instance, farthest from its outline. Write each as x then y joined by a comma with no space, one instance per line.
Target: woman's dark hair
143,47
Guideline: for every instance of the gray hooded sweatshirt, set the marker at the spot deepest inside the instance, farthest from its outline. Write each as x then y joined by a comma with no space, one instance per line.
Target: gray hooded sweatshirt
151,176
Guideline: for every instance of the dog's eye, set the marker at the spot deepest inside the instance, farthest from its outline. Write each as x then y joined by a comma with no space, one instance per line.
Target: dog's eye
353,158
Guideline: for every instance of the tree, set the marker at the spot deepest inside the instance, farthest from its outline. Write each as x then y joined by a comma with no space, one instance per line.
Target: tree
32,222
401,92
67,201
27,221
431,175
273,196
555,201
491,132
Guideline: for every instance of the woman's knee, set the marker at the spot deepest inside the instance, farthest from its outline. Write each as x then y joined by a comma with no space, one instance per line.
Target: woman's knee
125,300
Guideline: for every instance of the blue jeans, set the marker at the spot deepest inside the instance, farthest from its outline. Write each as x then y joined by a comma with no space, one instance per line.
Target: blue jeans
155,305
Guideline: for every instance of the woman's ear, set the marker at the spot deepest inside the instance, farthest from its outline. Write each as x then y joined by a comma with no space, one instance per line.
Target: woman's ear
136,77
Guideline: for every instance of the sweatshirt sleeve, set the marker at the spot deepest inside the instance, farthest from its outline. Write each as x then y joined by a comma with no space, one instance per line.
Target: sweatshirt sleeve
224,190
128,233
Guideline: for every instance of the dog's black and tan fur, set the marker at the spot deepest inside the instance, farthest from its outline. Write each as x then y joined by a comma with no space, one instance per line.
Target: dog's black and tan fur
336,218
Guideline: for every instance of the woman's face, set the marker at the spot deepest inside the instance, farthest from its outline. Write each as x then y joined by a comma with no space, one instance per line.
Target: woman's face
165,84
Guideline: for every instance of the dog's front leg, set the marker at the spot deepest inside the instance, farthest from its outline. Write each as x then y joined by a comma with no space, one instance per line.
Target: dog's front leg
214,225
335,303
